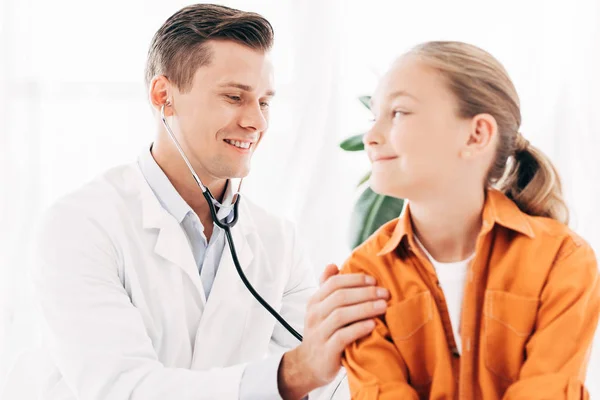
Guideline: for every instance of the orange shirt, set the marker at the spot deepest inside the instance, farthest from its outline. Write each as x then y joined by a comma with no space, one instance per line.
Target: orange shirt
530,309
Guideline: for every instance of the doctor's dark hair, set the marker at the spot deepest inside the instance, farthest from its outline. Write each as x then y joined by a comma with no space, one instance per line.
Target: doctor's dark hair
481,85
179,48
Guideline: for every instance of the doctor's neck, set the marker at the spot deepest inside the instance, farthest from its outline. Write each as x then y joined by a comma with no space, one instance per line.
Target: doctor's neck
170,161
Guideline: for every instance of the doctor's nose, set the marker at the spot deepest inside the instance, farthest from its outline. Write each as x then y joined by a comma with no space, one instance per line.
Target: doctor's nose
254,118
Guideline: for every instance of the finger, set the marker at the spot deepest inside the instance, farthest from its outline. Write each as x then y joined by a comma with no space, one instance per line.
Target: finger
344,316
330,270
350,296
341,281
350,334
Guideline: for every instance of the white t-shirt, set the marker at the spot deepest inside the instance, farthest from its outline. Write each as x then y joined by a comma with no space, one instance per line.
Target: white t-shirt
452,278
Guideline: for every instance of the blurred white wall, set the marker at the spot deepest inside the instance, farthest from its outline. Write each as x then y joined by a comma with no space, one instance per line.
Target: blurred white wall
73,103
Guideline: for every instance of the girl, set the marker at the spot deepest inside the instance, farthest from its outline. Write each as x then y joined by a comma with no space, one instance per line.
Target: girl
492,296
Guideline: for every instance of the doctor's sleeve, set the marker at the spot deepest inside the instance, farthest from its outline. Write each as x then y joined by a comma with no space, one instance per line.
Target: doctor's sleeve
95,335
259,380
301,285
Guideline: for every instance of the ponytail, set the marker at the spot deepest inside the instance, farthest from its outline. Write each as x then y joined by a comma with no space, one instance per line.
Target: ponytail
532,182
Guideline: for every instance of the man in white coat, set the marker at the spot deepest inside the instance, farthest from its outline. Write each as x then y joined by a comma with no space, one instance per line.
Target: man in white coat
138,290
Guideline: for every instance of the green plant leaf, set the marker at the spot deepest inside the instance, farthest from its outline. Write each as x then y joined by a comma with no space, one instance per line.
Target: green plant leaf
364,178
366,101
353,143
371,211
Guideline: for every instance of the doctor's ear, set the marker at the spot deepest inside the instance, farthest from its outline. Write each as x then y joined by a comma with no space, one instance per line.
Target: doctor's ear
160,88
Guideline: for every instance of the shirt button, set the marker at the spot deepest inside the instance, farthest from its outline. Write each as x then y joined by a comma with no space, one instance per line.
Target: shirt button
455,352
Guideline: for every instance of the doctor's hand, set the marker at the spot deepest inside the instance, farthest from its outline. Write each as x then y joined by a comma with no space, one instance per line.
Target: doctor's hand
339,313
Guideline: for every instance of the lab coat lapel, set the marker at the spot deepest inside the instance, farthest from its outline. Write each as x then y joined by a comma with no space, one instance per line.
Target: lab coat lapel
220,333
171,242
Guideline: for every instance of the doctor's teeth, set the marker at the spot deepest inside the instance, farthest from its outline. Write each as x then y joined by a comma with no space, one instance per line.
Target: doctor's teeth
236,143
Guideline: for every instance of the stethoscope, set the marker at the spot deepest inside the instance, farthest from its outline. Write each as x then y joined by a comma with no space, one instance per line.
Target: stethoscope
213,204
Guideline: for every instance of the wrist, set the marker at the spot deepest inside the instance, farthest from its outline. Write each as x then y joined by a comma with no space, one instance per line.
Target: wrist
294,379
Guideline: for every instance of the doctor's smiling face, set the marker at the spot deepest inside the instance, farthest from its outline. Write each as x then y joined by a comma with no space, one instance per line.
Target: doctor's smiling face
219,91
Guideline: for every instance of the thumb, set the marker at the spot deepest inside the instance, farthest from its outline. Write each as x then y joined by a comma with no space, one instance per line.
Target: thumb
330,270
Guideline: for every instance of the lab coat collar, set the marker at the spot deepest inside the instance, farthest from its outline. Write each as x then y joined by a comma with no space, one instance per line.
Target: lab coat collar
172,243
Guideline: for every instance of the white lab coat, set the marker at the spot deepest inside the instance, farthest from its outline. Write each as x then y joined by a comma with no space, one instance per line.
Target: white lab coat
124,309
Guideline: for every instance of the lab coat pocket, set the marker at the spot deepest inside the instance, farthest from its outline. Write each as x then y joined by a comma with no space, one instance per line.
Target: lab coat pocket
508,323
410,326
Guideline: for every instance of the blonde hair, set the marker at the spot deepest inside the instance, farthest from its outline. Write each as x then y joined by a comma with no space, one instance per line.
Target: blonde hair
482,85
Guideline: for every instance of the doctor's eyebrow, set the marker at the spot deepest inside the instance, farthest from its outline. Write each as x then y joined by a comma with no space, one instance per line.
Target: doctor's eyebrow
245,88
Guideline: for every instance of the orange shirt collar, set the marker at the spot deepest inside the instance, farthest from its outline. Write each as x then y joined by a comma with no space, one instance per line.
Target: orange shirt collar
498,209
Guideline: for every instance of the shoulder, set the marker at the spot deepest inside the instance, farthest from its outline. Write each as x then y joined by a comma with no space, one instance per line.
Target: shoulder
555,235
365,258
95,206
